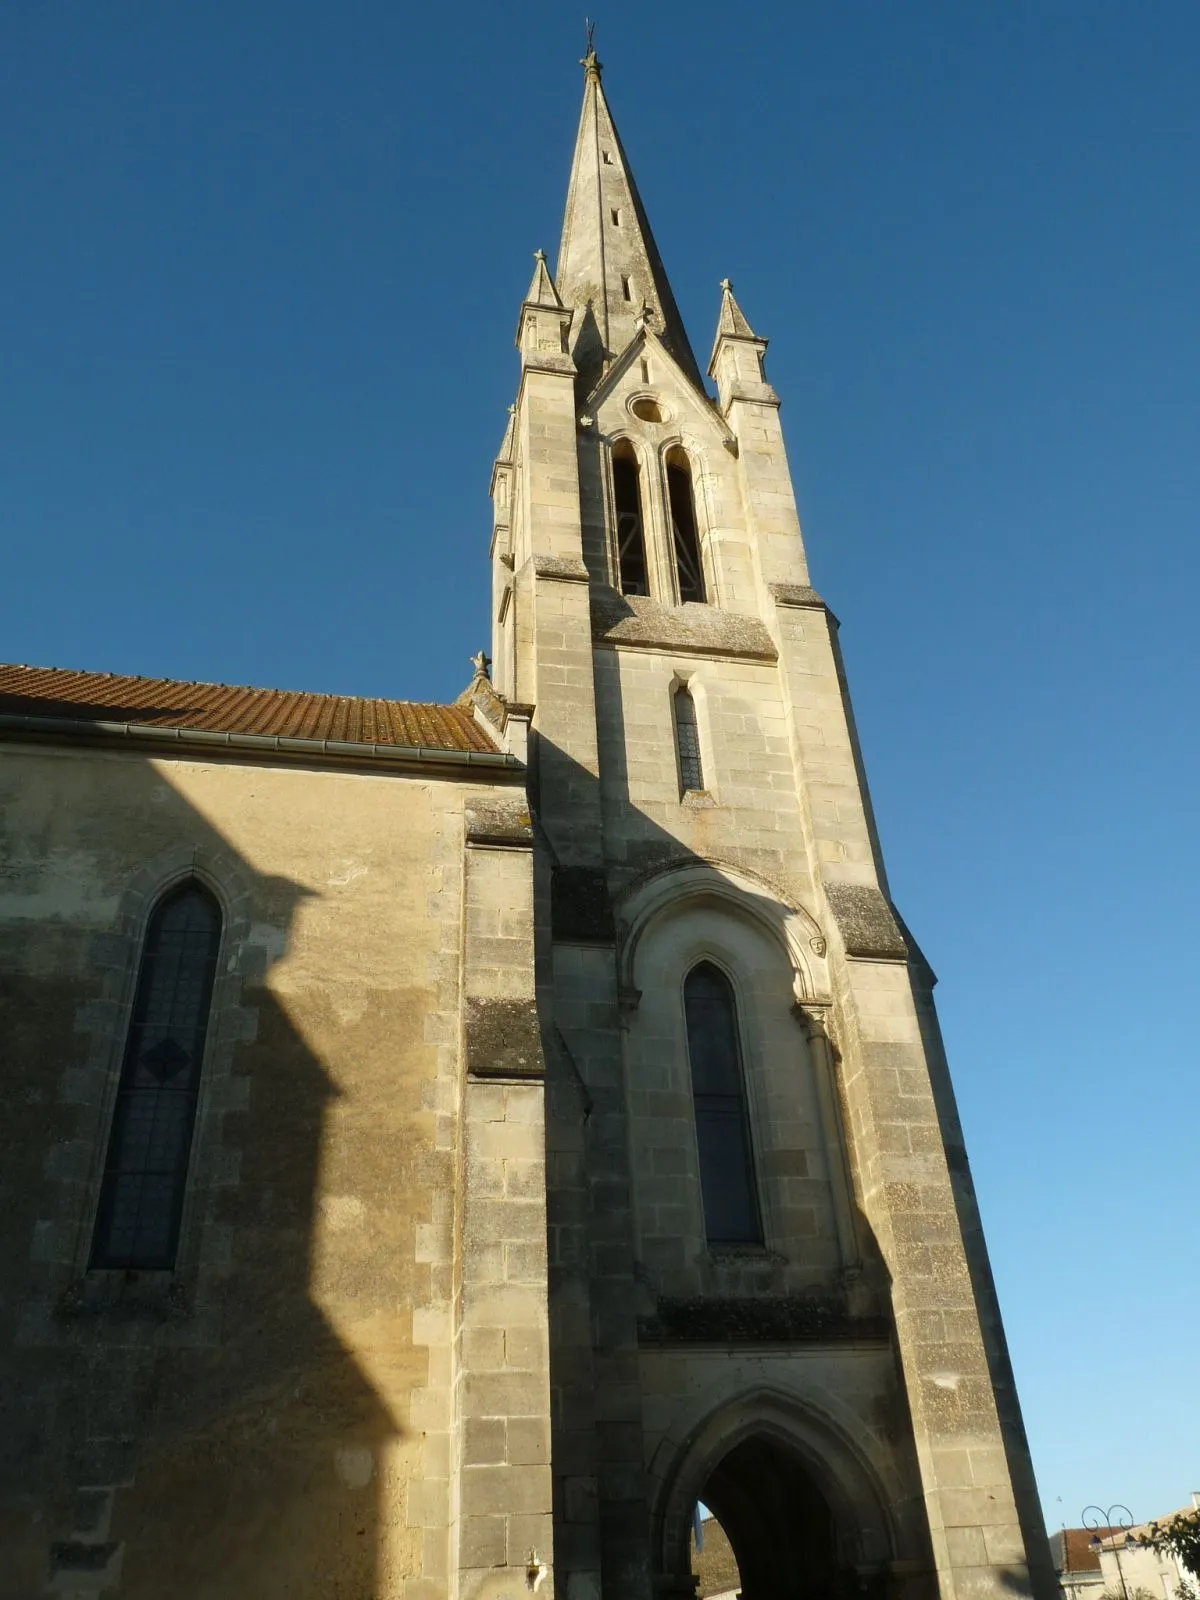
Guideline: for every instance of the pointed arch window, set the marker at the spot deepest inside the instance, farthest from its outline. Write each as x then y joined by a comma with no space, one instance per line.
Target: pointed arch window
727,1184
145,1171
685,534
627,506
687,741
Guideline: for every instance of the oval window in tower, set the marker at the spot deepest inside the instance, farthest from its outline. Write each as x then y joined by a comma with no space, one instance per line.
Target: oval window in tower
647,409
685,535
627,509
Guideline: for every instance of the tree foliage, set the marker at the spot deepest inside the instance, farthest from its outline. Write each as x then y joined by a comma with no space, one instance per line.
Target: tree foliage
1180,1535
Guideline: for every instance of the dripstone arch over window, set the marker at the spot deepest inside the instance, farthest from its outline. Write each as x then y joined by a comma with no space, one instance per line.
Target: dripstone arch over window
727,1186
627,507
685,533
145,1171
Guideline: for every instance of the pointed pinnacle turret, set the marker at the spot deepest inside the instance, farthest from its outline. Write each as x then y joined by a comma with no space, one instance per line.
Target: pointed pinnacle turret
541,291
737,356
544,322
731,319
609,267
505,452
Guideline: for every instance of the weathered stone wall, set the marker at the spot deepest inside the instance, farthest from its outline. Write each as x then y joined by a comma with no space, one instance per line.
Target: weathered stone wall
278,1416
773,870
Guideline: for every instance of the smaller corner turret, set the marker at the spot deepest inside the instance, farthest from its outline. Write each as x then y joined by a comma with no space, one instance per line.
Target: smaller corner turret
501,488
544,324
736,365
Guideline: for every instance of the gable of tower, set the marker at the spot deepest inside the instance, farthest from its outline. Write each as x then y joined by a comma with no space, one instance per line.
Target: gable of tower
648,404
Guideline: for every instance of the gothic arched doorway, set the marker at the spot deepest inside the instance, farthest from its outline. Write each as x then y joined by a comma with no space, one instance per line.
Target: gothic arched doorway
778,1523
804,1512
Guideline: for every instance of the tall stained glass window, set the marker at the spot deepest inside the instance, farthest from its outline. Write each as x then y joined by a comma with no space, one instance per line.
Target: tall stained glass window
141,1200
718,1094
687,742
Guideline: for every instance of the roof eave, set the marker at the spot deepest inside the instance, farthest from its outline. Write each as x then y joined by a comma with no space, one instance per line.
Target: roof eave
496,764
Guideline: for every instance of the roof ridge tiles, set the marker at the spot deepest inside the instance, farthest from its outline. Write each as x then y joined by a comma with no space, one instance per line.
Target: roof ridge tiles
208,683
202,683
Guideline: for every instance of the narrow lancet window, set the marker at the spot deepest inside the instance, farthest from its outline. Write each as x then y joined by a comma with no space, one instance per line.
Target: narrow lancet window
687,742
627,504
722,1138
684,532
141,1199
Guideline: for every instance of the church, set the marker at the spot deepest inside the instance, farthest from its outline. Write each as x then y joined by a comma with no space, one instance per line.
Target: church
443,1144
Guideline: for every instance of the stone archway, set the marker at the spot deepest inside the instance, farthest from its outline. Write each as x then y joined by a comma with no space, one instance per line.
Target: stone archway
800,1505
780,1525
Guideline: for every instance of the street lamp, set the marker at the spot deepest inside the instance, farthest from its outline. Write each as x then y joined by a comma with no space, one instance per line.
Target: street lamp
1104,1524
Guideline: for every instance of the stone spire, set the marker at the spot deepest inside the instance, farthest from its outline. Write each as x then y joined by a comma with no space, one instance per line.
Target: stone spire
609,269
731,320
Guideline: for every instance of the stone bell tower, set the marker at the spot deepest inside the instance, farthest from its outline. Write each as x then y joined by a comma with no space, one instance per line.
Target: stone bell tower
769,1289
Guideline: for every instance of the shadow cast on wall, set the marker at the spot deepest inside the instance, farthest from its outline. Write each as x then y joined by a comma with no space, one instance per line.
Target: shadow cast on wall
206,1433
603,1310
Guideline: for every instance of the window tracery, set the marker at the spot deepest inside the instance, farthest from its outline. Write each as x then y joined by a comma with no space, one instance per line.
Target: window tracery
145,1173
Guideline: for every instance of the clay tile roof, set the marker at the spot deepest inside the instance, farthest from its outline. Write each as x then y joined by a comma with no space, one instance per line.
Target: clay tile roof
1071,1548
220,708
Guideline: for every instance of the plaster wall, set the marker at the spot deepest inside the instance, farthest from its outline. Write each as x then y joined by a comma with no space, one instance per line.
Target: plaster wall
1156,1573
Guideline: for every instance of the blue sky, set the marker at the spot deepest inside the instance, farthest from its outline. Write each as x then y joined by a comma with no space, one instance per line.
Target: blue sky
261,270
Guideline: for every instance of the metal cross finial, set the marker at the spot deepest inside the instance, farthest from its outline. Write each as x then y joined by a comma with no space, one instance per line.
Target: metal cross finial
482,663
726,285
590,62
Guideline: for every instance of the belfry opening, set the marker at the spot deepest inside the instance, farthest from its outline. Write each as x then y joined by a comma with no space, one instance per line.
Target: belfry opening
631,537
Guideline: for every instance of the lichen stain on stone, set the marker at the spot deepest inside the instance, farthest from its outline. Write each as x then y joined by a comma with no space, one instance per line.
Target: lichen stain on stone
354,1465
346,872
503,1039
865,921
342,1211
640,620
